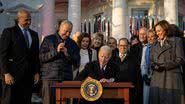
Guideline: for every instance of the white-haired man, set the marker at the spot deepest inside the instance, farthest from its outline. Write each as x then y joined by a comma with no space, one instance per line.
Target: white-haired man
58,52
102,69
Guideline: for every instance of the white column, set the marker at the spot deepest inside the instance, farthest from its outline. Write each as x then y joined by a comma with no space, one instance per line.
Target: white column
171,11
48,13
74,15
119,19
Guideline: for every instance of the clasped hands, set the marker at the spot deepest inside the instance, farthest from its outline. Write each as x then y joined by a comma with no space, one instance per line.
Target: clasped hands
61,48
158,66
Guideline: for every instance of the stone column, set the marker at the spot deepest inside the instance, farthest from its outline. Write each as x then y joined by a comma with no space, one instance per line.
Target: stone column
171,11
48,13
74,15
119,19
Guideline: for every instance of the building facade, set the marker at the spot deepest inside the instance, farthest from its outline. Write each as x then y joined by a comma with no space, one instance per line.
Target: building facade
117,18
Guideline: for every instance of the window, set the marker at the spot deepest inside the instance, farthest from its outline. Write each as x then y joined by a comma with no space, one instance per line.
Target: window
140,12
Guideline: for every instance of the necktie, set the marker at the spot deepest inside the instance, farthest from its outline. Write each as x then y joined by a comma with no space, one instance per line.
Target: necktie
122,57
103,70
26,37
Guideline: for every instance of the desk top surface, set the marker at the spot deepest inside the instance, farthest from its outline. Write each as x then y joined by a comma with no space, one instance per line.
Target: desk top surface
77,84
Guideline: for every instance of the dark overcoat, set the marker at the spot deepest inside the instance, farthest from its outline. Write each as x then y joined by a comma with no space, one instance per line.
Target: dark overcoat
21,62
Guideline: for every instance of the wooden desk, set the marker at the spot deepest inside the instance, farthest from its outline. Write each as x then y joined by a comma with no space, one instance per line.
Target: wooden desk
71,89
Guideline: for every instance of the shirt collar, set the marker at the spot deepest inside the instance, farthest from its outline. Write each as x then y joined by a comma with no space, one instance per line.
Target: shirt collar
104,67
20,27
144,44
162,40
122,54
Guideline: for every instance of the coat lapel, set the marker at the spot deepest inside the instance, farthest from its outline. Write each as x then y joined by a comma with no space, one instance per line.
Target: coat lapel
99,72
159,50
108,70
19,32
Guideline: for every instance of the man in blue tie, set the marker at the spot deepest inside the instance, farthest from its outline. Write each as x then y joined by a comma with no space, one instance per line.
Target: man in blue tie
19,61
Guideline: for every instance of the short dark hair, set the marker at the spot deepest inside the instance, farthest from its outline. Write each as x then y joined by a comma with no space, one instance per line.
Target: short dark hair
80,38
124,39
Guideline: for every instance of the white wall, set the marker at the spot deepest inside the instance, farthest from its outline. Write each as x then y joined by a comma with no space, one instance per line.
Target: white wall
7,19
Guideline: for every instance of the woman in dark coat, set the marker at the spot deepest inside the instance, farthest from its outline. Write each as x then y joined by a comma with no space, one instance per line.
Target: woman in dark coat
167,57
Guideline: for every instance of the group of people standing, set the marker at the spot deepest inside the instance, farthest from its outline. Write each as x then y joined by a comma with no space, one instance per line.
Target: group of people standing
153,61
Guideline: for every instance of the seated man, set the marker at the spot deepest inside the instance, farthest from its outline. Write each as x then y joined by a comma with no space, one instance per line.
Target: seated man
102,70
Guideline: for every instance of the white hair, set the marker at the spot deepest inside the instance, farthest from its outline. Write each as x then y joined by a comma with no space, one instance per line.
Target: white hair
22,11
66,22
106,48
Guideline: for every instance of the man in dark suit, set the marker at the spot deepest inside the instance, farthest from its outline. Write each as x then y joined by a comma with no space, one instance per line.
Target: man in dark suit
19,50
102,70
128,64
137,50
128,69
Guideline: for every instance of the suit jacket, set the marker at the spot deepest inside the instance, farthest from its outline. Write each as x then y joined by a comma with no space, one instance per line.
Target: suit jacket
136,50
93,70
129,70
15,57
